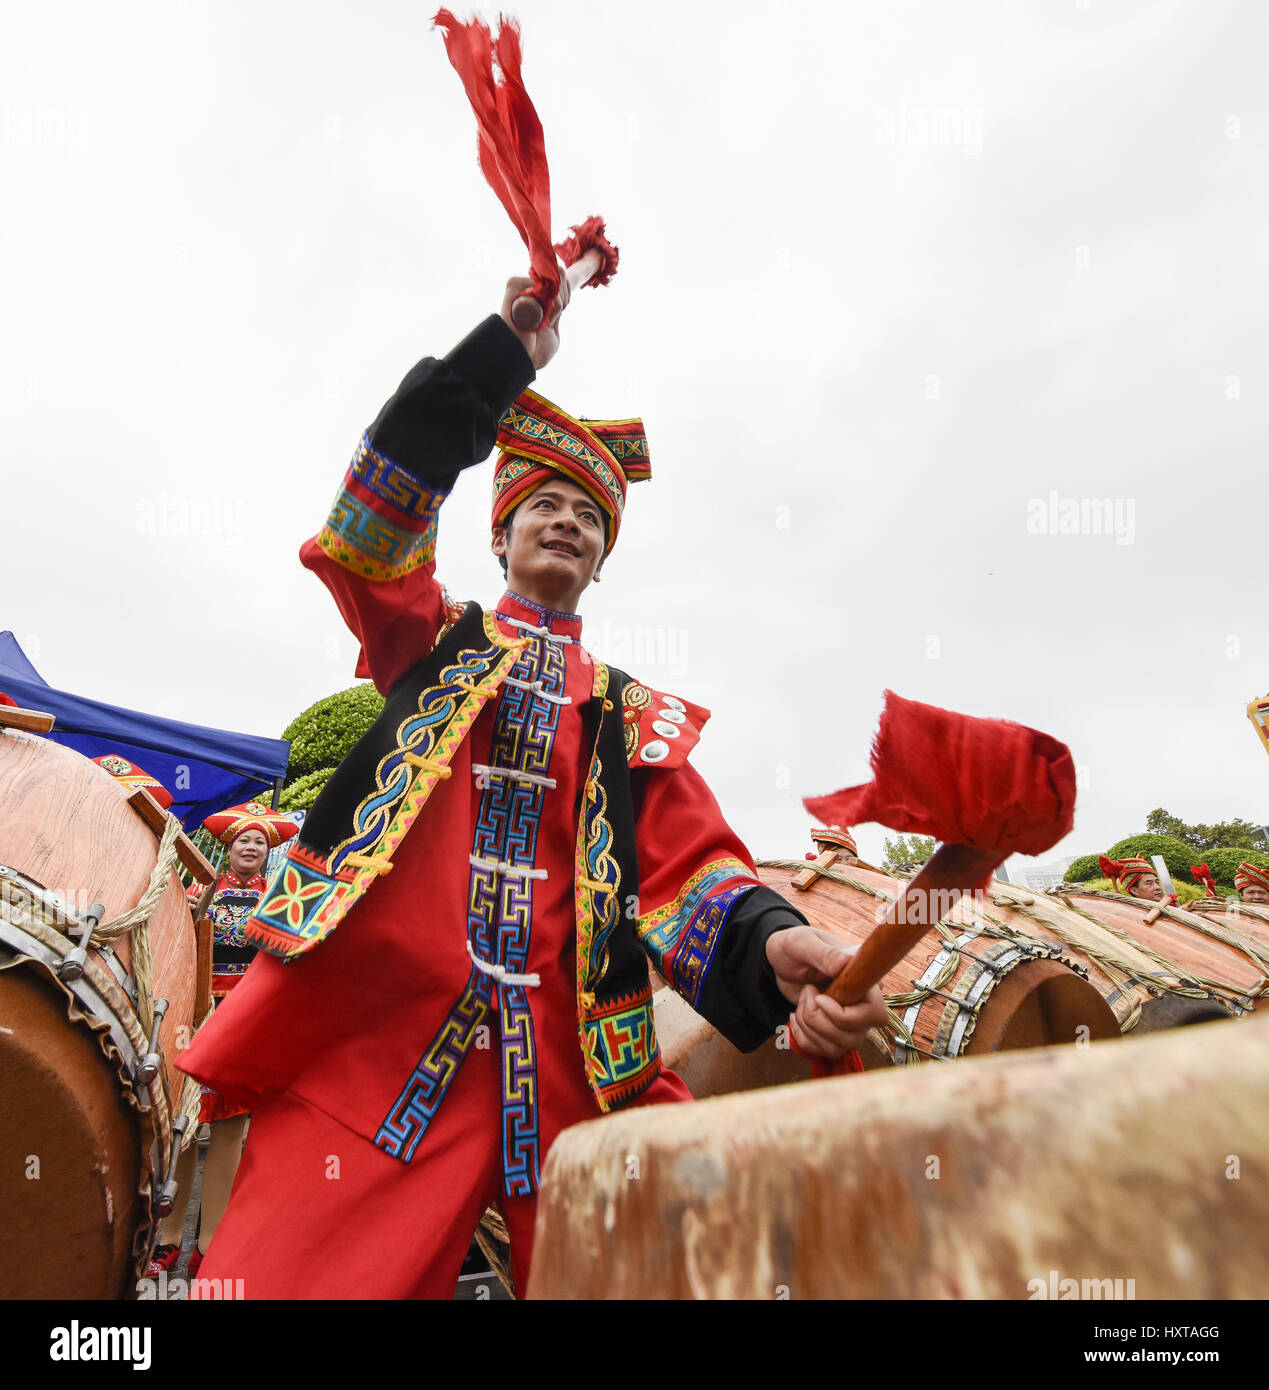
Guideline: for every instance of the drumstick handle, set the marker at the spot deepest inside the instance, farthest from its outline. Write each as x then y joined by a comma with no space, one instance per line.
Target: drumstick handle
526,312
950,869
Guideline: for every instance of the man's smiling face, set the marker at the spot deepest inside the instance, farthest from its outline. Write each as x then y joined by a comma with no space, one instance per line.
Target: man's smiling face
554,544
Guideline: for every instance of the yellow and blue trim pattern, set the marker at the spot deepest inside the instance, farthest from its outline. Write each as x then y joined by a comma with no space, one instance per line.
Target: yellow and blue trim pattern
382,524
681,936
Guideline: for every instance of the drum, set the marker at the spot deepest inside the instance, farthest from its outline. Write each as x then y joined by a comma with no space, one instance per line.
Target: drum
969,986
1097,1172
1248,922
1213,961
1145,990
88,1107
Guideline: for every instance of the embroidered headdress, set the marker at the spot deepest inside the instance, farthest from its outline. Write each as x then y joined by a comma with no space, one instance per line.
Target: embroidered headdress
1249,876
1124,874
228,824
131,776
537,439
833,837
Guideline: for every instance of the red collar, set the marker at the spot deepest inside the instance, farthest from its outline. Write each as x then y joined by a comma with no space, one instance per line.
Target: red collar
524,610
229,879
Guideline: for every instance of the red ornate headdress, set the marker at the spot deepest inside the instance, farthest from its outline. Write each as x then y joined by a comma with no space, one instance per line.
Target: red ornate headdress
539,440
1249,876
833,837
1124,874
228,824
131,776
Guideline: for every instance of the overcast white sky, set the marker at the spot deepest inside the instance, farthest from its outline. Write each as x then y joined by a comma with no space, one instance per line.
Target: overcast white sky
898,282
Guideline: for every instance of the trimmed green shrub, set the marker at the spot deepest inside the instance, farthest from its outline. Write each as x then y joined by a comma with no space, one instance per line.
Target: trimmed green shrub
1084,869
1224,864
325,733
301,794
1177,855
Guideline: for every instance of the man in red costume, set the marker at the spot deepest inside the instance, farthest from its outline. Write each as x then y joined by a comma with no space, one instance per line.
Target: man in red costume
504,852
1135,878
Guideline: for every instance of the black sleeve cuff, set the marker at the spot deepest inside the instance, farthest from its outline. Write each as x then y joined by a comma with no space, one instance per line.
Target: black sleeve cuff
741,998
493,361
444,415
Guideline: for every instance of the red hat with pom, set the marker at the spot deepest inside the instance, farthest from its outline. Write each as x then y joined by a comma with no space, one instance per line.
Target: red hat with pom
132,776
228,824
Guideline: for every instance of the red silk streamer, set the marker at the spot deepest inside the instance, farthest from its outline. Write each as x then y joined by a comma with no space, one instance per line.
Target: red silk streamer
512,150
985,783
1204,876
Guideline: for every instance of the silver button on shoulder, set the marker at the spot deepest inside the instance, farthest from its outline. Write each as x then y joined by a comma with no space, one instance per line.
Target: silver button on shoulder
675,716
656,751
659,726
675,704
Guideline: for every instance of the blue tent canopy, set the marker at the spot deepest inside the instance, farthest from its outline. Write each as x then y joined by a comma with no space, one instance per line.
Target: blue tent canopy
204,769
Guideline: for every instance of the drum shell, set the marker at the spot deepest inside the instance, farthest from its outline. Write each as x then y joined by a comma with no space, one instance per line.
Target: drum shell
1247,921
1144,993
1231,971
1033,998
935,1024
66,824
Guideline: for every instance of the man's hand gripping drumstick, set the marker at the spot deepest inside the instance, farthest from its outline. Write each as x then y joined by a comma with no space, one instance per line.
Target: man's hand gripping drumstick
805,961
541,340
522,312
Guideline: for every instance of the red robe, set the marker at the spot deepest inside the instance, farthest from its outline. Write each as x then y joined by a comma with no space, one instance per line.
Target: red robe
352,1039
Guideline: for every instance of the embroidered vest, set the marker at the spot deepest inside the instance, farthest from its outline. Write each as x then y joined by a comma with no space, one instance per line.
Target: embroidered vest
376,794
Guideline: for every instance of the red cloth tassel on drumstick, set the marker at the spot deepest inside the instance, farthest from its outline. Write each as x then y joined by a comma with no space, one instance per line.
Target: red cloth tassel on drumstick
512,152
984,783
985,787
821,1067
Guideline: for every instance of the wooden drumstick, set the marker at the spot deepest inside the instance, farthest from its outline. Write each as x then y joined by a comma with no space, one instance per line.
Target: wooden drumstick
1007,788
950,869
526,312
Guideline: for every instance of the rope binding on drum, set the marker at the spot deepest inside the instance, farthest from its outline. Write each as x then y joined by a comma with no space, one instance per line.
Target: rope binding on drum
137,922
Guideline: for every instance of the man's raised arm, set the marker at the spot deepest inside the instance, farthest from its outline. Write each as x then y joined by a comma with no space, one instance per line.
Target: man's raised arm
377,551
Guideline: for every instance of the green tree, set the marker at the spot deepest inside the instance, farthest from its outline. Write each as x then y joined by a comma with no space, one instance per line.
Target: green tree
1161,822
907,850
1226,834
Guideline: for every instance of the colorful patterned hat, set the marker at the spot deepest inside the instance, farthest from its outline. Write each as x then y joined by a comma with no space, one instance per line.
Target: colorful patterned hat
1125,874
132,776
833,837
538,439
228,824
1249,876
